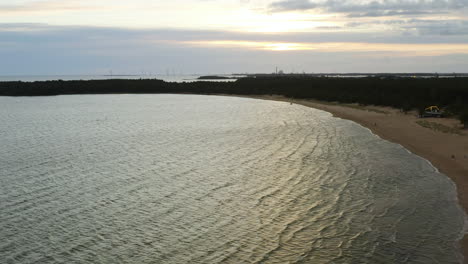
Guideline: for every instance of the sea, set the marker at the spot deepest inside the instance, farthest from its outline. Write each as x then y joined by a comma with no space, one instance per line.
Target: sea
195,77
212,179
166,77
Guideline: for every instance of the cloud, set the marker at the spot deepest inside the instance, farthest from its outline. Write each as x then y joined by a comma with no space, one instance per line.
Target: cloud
37,33
41,6
386,13
442,28
419,27
44,49
290,5
337,47
373,8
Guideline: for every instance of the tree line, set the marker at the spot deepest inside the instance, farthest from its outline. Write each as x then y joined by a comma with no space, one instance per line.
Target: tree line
403,93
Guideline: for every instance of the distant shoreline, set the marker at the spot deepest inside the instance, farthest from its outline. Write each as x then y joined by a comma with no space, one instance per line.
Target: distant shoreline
215,77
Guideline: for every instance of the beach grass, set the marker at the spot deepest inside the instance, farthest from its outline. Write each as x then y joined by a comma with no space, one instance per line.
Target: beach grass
439,127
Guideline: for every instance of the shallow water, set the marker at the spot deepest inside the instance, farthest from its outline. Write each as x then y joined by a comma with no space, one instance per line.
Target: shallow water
204,179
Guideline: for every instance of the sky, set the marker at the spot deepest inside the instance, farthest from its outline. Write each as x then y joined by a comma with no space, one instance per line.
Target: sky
53,37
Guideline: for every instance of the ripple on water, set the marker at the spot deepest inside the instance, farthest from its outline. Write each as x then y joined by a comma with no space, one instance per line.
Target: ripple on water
203,179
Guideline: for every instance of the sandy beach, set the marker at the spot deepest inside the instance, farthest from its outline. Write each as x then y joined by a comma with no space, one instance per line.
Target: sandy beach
442,141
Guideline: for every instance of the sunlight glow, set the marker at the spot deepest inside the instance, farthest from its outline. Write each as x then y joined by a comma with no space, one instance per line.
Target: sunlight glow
396,49
253,45
248,20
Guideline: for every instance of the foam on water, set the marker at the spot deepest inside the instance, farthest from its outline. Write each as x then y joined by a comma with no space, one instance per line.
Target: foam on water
205,179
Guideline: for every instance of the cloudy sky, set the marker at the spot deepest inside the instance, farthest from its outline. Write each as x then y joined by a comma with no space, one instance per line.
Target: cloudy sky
232,36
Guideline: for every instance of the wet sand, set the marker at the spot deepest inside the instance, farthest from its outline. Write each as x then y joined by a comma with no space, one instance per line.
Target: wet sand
447,151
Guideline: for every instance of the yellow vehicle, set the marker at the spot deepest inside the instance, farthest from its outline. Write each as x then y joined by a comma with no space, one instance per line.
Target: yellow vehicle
432,111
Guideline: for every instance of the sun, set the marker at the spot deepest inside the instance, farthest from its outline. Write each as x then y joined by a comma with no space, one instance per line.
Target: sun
283,46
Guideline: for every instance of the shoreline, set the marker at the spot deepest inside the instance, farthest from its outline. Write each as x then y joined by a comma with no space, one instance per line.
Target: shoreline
444,147
446,151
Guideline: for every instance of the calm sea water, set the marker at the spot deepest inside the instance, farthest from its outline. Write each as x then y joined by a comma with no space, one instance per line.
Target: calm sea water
204,179
167,78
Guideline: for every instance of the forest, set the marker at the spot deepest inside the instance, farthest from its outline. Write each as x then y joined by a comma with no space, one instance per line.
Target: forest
400,92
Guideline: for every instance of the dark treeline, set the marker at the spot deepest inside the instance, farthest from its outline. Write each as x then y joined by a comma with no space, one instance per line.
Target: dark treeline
402,93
